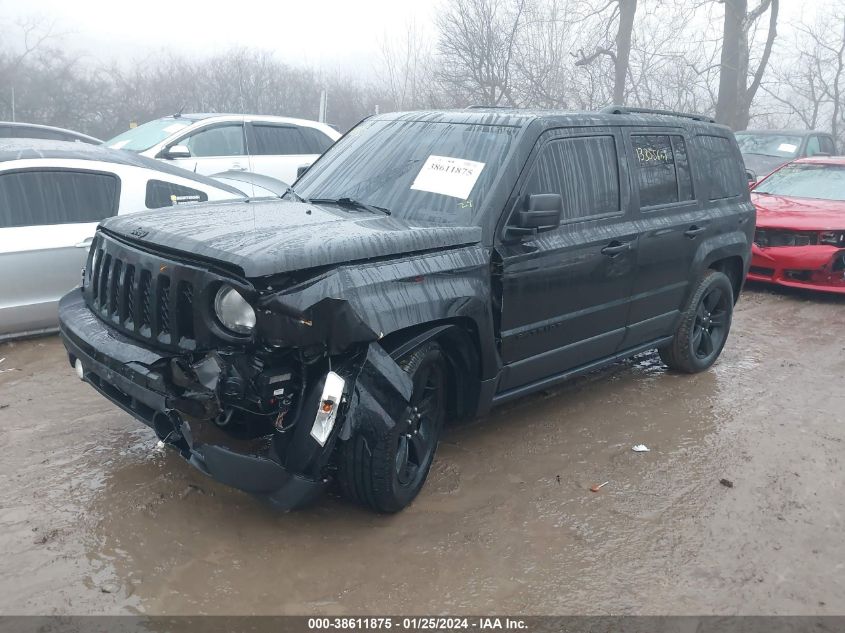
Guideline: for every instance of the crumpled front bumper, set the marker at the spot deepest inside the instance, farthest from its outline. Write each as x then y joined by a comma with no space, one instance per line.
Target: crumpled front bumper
816,267
123,371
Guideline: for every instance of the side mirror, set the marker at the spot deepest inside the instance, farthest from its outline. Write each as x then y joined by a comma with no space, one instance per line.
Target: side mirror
301,170
177,151
540,212
751,177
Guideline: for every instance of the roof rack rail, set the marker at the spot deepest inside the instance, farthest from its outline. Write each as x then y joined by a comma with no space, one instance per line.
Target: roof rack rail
616,109
489,107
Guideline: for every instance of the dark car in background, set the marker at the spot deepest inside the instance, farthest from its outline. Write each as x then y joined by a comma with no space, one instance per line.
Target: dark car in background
765,150
9,129
429,266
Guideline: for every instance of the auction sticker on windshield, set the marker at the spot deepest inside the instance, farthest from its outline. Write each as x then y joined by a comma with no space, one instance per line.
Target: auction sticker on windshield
447,176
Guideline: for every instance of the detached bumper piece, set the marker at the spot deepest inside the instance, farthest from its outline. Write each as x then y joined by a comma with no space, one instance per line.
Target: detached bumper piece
135,378
814,267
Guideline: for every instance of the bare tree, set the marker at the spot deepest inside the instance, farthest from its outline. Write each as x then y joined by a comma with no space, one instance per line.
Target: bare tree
733,106
477,47
406,68
622,14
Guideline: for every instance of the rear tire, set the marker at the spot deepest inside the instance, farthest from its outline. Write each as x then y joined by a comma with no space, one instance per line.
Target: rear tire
704,326
386,470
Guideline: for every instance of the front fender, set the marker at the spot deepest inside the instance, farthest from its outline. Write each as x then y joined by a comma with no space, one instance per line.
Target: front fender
364,303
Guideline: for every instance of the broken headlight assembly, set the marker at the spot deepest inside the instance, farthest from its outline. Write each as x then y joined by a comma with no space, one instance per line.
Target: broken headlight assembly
233,311
833,238
770,237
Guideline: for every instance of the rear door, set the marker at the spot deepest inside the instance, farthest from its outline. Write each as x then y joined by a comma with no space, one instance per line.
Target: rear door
280,149
672,222
688,190
47,220
565,292
214,149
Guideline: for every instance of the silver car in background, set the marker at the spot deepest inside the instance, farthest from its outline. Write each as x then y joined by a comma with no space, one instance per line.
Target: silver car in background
52,196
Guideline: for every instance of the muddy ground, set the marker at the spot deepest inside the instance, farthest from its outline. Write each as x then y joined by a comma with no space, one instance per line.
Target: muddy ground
96,520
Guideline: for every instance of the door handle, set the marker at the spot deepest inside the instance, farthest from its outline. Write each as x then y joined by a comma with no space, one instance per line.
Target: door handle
616,247
86,243
694,230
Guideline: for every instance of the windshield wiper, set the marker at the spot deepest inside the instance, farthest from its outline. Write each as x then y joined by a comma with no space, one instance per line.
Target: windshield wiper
350,202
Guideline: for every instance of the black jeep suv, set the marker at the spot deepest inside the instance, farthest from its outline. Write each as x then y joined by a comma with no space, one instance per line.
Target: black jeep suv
429,266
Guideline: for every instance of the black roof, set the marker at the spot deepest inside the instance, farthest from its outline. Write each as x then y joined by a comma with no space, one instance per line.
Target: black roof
24,149
23,127
523,117
790,132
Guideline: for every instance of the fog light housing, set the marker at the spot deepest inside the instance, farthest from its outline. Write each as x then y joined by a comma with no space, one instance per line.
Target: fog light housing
327,408
233,311
80,370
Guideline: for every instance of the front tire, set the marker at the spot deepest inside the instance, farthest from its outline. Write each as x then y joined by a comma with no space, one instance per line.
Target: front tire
704,326
386,470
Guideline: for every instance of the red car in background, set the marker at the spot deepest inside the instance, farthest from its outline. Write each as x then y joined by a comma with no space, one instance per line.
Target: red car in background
800,236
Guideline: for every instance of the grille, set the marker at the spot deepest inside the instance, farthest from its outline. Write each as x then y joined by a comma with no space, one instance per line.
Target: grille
141,301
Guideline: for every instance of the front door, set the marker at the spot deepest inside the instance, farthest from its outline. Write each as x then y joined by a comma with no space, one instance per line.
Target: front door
215,149
565,292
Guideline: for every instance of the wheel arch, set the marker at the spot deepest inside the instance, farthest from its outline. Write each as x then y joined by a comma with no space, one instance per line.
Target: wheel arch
460,342
734,269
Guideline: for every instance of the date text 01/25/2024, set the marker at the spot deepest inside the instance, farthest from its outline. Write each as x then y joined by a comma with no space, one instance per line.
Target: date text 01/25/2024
417,623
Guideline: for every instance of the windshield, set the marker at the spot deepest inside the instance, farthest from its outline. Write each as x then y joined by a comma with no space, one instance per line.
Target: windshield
145,136
779,145
825,182
417,170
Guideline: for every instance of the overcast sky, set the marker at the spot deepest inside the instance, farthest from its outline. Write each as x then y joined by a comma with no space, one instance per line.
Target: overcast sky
319,33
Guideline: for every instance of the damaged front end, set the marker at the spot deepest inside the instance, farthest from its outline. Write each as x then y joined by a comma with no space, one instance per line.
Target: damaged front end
262,413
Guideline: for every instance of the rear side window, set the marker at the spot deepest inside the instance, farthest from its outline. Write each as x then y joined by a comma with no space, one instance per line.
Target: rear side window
275,140
584,171
826,145
662,169
317,141
40,197
724,170
165,194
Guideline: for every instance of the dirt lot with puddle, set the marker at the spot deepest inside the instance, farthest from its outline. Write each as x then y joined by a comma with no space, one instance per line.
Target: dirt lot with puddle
96,520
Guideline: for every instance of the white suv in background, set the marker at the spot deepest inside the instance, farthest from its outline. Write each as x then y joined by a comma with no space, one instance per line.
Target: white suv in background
52,196
213,143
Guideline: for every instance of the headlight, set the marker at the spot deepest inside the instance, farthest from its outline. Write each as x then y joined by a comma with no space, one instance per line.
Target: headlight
834,238
233,310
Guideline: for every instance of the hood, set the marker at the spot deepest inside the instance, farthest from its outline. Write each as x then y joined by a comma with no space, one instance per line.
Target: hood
763,165
277,236
781,212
